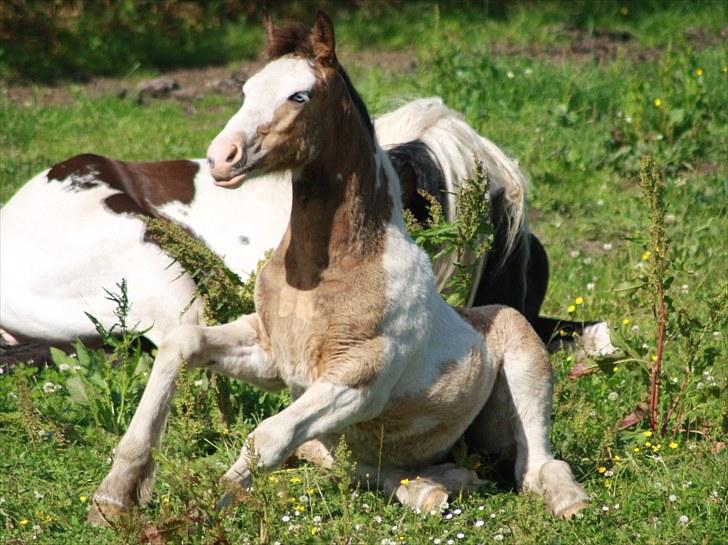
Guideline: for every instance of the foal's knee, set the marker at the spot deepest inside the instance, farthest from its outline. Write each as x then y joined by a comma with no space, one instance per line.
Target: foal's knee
182,343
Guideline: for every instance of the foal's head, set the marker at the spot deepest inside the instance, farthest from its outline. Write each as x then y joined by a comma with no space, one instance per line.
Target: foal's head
290,106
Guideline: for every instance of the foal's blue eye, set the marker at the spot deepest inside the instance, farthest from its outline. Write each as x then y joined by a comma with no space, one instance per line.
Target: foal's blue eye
300,98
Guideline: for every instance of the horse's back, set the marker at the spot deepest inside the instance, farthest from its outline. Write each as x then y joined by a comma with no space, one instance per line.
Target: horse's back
63,245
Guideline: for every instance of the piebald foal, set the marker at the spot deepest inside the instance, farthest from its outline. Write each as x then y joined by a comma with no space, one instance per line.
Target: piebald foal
348,314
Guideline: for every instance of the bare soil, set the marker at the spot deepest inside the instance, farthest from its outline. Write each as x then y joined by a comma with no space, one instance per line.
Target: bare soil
193,83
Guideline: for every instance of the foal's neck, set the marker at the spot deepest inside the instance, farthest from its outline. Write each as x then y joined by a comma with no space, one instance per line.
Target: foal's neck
341,204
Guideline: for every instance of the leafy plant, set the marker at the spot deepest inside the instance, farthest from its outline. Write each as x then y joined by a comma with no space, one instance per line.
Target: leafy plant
108,385
466,240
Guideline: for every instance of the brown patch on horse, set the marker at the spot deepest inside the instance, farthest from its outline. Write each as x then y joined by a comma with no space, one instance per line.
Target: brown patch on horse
318,45
298,39
143,187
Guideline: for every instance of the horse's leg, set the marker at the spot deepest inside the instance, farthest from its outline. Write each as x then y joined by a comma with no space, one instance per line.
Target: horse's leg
518,415
230,349
324,409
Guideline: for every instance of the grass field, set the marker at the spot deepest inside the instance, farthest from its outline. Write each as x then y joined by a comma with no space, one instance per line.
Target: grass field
579,92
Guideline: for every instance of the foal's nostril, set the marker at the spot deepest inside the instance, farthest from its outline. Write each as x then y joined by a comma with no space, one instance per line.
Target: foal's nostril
211,162
233,153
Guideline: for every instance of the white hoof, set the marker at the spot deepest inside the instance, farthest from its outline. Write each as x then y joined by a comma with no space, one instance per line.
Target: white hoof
564,496
597,340
422,495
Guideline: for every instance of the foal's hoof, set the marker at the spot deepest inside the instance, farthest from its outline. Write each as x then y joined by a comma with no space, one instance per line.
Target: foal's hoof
422,495
568,512
104,514
234,494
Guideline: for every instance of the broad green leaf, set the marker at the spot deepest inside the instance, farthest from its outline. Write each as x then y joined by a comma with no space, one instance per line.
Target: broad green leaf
77,390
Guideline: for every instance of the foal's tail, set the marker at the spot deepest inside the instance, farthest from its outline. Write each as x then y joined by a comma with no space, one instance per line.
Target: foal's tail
453,144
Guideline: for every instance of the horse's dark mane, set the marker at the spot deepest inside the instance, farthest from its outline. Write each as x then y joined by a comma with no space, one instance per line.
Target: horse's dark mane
295,39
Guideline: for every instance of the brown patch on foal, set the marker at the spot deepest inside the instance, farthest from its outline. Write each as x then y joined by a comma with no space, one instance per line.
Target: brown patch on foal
324,288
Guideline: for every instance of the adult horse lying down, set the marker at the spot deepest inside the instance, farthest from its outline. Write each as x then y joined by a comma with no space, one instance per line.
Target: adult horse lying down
348,315
76,229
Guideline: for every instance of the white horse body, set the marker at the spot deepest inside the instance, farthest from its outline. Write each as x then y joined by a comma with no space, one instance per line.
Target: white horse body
50,277
61,248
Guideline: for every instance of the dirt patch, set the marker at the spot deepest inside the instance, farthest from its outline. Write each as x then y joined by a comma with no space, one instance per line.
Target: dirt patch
604,45
191,83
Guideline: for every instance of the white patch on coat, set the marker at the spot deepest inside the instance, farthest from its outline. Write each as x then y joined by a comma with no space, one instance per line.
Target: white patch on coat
54,272
258,211
453,145
597,340
264,94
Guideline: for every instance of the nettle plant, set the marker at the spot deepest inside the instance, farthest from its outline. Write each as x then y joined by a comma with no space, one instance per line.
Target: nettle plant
471,232
108,385
678,361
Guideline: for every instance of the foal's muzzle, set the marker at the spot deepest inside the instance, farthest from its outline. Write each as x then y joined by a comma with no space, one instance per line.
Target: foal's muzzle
226,160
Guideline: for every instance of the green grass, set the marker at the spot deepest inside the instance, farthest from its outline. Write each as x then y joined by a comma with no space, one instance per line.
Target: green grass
579,128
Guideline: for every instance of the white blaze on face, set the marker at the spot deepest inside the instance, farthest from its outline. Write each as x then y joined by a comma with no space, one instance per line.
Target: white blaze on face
265,92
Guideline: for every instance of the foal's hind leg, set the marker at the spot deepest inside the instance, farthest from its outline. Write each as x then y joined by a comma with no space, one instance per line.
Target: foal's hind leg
518,413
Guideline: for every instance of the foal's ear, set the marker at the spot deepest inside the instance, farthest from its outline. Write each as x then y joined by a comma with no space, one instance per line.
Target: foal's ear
268,24
322,38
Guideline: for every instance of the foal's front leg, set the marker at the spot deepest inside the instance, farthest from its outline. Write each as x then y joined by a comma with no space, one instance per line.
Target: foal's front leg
230,349
324,408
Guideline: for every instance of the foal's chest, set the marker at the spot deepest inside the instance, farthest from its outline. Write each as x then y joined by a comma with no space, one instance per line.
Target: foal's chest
311,331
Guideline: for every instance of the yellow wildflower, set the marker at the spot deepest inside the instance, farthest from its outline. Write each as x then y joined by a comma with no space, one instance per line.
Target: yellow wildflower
296,479
615,368
314,530
647,433
725,68
658,103
579,301
646,255
82,499
571,309
672,444
698,71
607,482
23,522
601,469
404,482
617,458
626,321
648,444
636,449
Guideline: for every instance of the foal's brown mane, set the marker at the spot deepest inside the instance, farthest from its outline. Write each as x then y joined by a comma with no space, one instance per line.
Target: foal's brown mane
296,39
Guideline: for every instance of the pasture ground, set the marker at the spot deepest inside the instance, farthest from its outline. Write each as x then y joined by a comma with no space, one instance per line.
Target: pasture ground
579,93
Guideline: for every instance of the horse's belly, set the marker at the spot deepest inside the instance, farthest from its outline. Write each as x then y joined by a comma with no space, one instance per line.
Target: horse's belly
418,430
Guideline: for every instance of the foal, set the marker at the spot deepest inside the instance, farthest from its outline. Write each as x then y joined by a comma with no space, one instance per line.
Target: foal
348,314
